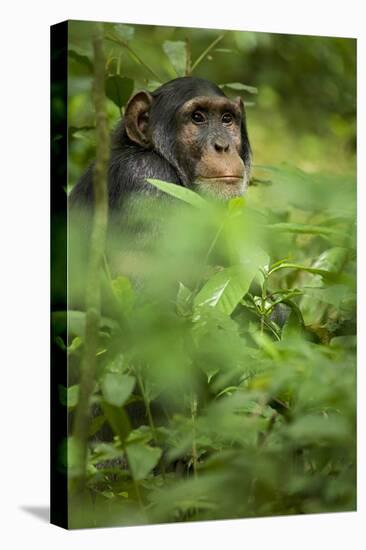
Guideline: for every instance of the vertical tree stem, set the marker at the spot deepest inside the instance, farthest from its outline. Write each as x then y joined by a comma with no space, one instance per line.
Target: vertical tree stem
194,445
96,256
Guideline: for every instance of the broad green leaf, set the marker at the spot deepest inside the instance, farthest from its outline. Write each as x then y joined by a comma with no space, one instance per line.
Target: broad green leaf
235,206
117,419
183,299
176,52
225,289
142,459
119,89
240,87
294,322
82,59
106,451
96,424
332,260
142,434
179,192
117,388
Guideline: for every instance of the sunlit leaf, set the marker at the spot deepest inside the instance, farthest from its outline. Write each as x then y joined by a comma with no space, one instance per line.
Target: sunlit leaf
117,388
142,459
176,53
179,192
183,299
240,87
123,291
225,289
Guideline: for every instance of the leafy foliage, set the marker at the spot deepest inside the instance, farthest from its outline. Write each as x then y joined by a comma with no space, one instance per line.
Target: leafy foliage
225,385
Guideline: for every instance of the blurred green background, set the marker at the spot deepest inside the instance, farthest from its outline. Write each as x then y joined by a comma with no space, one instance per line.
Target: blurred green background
303,111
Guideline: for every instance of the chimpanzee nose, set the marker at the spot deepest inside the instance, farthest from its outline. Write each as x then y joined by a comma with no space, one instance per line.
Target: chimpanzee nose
221,145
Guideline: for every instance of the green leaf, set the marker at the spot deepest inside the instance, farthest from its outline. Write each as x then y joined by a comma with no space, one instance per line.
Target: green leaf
333,259
75,344
119,89
294,322
183,299
96,424
240,87
142,459
69,396
179,192
176,52
117,388
225,289
74,322
82,59
318,192
123,291
124,31
301,228
329,264
74,457
117,419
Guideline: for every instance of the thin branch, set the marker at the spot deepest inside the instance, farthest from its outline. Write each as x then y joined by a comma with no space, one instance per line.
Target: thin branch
96,255
132,52
207,50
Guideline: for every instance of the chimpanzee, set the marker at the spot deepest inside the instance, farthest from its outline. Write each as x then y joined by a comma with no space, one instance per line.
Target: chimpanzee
186,132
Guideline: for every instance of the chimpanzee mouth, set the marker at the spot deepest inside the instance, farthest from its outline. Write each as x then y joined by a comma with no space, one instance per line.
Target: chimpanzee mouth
231,179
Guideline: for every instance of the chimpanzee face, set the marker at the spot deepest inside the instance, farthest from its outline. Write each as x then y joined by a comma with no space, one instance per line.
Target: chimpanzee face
209,143
198,130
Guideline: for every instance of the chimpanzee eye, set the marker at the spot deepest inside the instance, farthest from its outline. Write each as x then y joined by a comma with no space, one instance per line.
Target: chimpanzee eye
227,118
198,117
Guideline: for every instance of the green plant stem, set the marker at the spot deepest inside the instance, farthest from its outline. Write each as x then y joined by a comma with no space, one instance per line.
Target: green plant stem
149,416
194,446
282,299
206,51
263,300
300,267
97,245
132,52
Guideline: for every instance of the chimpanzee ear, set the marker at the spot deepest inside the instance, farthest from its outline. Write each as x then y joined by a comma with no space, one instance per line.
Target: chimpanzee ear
240,104
137,118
